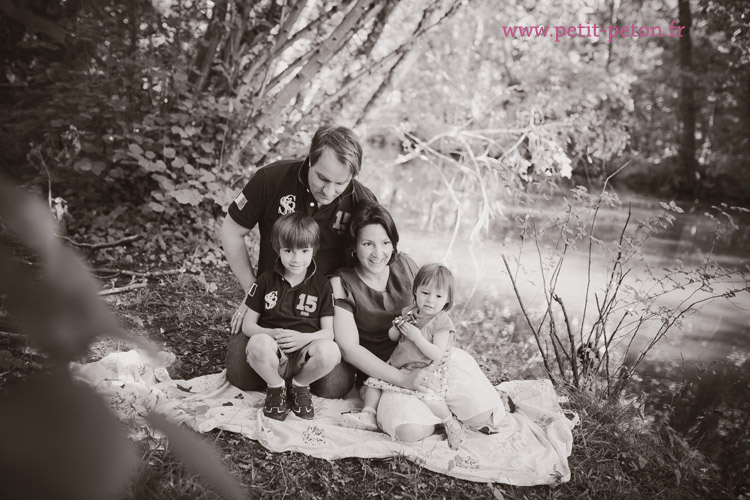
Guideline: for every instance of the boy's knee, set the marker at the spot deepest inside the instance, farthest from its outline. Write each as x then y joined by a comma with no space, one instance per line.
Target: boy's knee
326,352
260,346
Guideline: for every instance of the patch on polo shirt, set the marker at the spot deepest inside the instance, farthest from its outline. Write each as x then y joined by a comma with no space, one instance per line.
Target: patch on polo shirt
287,204
253,288
271,299
240,201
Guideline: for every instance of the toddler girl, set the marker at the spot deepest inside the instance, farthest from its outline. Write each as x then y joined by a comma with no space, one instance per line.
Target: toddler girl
425,335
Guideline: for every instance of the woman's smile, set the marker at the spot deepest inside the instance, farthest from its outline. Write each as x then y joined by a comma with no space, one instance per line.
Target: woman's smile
374,248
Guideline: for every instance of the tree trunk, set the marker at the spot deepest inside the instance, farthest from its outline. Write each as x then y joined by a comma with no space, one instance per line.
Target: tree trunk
207,50
687,103
313,62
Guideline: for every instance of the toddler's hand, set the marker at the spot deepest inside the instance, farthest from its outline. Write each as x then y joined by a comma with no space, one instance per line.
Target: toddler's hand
410,331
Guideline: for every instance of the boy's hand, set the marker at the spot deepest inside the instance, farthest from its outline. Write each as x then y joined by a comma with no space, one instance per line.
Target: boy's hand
291,340
237,317
410,331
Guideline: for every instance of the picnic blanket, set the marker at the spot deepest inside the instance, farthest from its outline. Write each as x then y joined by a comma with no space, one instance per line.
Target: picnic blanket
531,447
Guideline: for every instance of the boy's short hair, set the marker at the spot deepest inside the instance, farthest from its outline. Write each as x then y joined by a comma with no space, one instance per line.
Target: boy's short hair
295,230
437,275
343,142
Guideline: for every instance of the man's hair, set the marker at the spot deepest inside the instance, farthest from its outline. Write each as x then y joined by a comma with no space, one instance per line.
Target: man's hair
367,213
295,230
342,141
438,276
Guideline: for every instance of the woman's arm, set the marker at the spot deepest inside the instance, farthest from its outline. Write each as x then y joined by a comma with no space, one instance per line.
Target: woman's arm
346,335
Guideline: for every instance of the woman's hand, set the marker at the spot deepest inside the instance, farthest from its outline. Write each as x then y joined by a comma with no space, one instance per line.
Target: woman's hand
291,340
424,380
237,317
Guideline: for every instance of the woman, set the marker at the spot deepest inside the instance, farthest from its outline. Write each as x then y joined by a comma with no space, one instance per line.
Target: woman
369,294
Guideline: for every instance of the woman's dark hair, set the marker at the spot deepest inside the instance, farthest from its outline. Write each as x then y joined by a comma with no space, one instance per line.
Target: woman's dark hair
366,214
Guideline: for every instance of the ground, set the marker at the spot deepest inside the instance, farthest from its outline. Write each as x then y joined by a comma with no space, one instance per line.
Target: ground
615,455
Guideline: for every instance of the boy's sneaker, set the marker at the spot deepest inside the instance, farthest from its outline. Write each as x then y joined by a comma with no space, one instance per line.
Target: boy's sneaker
364,420
275,406
300,400
455,433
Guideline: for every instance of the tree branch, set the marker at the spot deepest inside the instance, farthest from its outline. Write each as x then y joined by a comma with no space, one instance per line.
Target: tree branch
148,274
32,22
123,289
98,246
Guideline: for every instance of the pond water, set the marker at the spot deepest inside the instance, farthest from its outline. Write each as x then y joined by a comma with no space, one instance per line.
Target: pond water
697,376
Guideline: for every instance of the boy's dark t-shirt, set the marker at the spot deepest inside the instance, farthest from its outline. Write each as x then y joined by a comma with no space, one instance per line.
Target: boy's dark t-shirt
297,308
281,188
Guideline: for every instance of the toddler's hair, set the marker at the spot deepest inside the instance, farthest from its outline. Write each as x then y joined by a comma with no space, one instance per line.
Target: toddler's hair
435,275
295,230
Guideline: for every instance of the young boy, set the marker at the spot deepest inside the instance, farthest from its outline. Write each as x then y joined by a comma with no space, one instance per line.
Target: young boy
290,320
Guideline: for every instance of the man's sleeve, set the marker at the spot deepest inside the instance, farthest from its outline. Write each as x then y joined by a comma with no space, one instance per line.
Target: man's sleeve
247,208
254,297
326,300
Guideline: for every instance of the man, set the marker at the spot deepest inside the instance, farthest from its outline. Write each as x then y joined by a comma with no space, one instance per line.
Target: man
323,186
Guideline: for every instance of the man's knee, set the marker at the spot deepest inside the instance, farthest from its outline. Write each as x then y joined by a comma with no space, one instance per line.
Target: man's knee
336,384
326,353
239,372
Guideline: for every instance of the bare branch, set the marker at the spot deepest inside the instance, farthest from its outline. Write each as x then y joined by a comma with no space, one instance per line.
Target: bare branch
123,289
148,274
109,244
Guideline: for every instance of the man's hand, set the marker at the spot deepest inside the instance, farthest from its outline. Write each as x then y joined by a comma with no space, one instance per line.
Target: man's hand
424,380
291,340
237,317
410,331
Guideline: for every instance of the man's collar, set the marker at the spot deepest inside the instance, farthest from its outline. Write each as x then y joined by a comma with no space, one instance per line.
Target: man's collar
303,172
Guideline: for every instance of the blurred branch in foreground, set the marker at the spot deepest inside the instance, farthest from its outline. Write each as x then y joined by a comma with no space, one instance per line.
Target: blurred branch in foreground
59,439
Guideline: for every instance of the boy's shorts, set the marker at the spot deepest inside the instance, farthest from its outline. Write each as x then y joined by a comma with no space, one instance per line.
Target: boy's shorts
240,374
290,364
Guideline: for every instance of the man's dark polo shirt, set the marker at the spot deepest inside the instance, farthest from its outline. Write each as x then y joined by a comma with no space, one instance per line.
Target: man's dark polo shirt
297,308
281,188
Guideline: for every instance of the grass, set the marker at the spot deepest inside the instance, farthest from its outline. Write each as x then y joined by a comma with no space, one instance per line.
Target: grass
617,454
